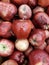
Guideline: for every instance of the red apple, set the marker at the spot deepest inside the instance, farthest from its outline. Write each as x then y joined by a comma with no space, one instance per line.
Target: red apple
32,2
9,62
19,2
43,3
5,29
42,20
17,56
25,12
7,1
22,45
39,57
42,47
22,28
7,10
47,10
38,9
6,47
37,37
47,49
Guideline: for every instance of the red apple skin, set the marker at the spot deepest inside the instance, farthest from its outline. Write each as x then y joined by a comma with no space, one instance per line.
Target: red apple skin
7,10
22,28
6,1
48,10
42,20
5,29
19,2
32,2
39,57
42,47
43,3
17,56
47,49
25,11
9,62
37,37
6,47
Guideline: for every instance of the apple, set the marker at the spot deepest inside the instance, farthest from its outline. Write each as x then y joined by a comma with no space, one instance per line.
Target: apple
19,2
38,9
42,20
17,56
39,57
6,1
43,3
47,10
22,44
7,10
47,49
32,2
37,37
22,28
5,29
42,47
6,47
25,11
9,62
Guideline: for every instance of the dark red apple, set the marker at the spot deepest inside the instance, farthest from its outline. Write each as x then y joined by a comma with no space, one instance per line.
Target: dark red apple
19,2
39,57
42,20
25,11
37,37
18,56
22,28
47,10
5,29
7,10
6,47
43,3
32,2
47,49
9,62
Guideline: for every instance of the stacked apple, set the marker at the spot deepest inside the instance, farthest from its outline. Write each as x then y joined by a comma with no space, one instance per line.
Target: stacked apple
24,32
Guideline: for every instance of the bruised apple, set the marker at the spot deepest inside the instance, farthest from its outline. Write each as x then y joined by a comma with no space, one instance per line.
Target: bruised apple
25,11
37,37
7,10
6,47
19,2
9,62
17,56
22,45
42,20
39,57
22,28
5,29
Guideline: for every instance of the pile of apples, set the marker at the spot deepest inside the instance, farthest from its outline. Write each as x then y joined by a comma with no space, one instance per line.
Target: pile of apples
24,32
